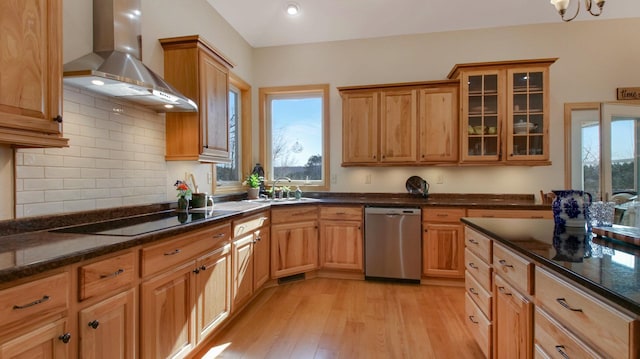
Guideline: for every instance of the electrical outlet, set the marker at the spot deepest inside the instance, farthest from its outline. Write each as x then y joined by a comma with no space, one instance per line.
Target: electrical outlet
367,179
209,177
334,178
440,179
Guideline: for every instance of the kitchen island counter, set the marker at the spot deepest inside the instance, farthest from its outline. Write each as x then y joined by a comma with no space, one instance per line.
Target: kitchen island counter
604,266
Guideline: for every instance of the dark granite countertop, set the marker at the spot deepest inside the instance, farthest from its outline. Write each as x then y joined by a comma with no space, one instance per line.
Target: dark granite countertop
605,266
36,244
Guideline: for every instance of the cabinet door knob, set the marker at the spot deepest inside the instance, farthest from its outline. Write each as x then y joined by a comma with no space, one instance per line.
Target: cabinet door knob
58,119
65,338
94,324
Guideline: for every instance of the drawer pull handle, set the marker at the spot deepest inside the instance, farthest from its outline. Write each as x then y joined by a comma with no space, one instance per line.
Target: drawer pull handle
488,216
35,302
503,291
560,349
442,215
114,274
473,241
341,213
172,253
220,235
65,338
473,265
473,320
94,324
472,290
563,302
504,263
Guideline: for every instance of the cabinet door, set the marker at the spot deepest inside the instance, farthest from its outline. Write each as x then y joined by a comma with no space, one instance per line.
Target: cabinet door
513,322
214,85
242,270
213,289
527,122
482,111
261,257
438,122
30,69
294,248
443,250
398,126
341,245
360,127
42,341
107,329
168,318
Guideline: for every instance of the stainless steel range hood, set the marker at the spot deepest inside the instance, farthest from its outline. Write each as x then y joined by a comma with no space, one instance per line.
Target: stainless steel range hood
114,69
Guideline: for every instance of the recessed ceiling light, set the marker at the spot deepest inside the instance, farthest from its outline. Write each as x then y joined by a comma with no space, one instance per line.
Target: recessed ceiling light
293,9
97,82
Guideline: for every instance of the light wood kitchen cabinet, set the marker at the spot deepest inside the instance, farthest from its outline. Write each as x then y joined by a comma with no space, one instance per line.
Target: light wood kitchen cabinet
554,341
360,127
512,322
294,240
46,340
200,72
172,318
250,257
438,124
107,312
341,241
504,111
31,73
213,288
400,124
606,329
443,242
479,306
107,329
34,318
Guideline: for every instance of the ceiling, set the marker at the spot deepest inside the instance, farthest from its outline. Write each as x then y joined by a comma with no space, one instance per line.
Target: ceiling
264,23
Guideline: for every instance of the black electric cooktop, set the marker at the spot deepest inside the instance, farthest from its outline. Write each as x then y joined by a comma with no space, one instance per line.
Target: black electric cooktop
134,226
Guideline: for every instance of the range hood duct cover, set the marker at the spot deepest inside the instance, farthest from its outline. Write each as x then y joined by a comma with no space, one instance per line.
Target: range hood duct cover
114,69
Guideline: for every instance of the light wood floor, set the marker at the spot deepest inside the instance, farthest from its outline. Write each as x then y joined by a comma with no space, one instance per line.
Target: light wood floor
332,318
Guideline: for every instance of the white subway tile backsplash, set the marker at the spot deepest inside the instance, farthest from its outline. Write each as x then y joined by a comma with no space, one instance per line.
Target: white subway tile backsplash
113,159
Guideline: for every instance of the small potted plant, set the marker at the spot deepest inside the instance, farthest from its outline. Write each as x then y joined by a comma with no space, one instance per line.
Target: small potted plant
184,194
253,181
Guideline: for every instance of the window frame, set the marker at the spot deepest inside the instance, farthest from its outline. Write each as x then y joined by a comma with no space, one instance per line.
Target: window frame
244,136
264,94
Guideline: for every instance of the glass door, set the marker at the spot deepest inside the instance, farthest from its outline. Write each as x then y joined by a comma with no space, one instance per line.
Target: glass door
482,112
527,125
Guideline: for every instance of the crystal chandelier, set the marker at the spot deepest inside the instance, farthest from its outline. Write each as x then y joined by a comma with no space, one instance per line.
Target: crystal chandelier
562,5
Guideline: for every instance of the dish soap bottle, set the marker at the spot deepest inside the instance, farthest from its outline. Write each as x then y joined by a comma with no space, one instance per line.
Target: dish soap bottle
298,192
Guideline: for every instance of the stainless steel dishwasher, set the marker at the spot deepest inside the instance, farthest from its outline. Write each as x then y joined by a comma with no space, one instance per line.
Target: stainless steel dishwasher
392,243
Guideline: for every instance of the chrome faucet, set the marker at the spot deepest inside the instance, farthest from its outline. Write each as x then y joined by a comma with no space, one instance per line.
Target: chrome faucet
275,184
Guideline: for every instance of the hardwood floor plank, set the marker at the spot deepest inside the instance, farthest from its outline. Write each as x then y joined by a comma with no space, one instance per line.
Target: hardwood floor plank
334,318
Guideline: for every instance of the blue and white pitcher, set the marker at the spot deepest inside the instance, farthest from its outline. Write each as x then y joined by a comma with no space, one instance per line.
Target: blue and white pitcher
571,208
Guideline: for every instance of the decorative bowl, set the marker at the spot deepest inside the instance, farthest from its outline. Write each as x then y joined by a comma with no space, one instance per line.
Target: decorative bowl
523,127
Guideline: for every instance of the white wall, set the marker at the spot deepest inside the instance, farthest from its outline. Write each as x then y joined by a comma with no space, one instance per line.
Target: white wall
595,57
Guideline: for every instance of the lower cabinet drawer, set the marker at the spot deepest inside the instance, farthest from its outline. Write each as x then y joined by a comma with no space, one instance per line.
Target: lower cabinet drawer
557,342
479,244
600,325
517,270
480,270
35,299
480,296
106,275
479,325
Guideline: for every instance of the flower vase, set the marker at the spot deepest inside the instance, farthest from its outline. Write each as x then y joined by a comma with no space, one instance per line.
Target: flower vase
253,193
183,204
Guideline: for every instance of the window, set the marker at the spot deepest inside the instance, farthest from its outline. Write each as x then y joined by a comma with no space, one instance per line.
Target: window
295,123
604,141
229,176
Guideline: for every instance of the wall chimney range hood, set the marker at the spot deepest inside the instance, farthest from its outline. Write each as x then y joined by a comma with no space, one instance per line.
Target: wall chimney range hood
114,68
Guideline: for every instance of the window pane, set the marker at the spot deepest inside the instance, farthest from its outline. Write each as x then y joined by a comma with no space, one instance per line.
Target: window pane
624,172
591,158
296,137
230,172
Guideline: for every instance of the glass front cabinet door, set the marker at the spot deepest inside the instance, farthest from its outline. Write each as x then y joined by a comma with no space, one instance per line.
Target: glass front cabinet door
504,111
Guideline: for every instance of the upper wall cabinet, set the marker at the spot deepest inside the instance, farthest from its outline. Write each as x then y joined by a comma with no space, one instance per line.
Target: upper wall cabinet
31,73
400,124
200,72
504,109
